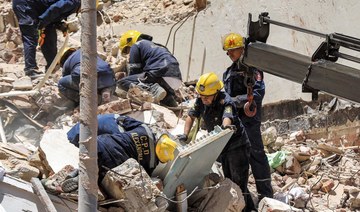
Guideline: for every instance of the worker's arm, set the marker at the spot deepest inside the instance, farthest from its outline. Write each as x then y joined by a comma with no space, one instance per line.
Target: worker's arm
258,91
58,11
135,60
229,114
188,124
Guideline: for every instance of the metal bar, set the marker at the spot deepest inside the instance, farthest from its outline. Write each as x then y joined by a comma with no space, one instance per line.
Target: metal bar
268,20
2,132
346,41
347,57
327,76
279,62
191,47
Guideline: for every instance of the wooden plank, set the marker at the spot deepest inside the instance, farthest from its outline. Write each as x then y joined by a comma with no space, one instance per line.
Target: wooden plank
44,198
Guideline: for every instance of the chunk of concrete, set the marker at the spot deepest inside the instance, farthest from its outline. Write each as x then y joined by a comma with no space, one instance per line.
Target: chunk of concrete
22,84
57,151
273,205
120,106
269,136
132,185
226,197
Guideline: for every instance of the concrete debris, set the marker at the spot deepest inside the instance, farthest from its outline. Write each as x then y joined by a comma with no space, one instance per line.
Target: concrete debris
133,184
54,145
226,196
268,204
313,147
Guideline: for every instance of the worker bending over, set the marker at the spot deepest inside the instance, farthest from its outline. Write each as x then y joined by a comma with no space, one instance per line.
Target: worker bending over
122,137
152,66
215,107
69,83
236,79
41,18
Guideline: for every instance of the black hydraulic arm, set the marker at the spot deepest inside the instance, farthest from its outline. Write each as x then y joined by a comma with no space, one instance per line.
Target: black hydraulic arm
319,72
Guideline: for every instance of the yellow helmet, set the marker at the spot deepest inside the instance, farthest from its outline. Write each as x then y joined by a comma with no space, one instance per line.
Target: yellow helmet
65,54
128,39
232,41
208,84
165,148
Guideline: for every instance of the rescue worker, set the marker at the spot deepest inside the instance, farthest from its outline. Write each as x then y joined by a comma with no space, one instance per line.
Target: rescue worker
122,137
41,18
150,64
215,107
234,79
69,83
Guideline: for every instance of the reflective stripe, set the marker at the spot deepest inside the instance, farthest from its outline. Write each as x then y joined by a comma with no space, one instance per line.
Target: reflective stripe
151,144
134,65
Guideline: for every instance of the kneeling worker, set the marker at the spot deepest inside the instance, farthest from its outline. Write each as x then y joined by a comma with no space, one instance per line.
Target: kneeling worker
152,66
69,83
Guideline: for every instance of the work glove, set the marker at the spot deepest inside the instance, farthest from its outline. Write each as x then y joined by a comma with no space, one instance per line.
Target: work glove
231,127
41,39
182,138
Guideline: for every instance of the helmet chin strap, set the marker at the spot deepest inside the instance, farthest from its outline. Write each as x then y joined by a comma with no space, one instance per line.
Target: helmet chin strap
215,96
240,61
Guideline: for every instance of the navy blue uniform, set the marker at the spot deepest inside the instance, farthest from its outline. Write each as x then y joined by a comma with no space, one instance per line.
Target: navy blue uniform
69,83
235,155
120,138
234,85
31,13
150,62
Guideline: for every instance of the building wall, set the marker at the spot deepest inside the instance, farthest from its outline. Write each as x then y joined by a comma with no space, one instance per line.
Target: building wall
221,17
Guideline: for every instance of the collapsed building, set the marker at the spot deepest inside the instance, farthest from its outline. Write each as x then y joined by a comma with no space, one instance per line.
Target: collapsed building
312,147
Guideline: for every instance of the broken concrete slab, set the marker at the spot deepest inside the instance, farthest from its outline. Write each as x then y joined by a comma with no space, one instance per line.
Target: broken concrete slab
269,204
54,146
120,106
133,187
22,84
226,196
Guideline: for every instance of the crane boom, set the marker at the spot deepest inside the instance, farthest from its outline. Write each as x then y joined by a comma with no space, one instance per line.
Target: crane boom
317,73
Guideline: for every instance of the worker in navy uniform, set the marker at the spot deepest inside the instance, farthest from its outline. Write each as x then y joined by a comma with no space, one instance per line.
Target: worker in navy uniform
122,137
234,78
69,83
215,107
43,16
150,64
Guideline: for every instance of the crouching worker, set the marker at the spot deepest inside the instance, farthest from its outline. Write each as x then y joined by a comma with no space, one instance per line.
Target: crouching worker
215,107
121,137
151,66
69,83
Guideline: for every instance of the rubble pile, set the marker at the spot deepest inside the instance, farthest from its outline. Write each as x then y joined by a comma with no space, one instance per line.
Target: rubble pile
150,11
314,157
313,153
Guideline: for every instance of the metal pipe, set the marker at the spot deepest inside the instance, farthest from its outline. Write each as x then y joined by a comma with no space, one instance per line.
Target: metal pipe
182,204
2,132
268,20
